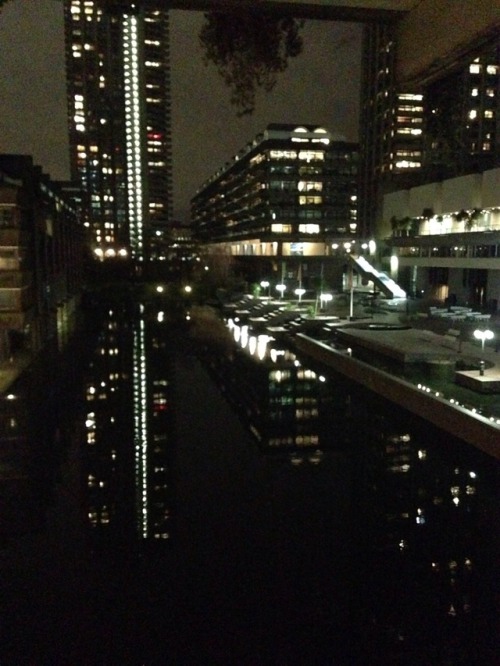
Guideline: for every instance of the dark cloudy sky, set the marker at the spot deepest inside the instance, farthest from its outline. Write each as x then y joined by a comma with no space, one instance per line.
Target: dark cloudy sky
320,86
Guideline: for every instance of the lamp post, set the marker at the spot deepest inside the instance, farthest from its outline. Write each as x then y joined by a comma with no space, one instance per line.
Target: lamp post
265,285
323,300
483,335
300,292
281,288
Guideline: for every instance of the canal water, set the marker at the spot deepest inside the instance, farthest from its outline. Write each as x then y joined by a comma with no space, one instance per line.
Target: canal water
169,498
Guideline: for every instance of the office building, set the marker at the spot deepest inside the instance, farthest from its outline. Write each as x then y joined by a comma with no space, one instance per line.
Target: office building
118,82
289,194
391,125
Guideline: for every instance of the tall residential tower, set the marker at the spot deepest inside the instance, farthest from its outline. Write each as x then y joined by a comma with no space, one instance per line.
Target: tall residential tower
118,82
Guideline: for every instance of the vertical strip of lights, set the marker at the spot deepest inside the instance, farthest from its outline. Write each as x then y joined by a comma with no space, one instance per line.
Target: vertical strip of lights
133,134
141,428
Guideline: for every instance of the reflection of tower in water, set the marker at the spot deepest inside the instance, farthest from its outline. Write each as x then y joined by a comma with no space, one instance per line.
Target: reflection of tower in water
127,424
152,422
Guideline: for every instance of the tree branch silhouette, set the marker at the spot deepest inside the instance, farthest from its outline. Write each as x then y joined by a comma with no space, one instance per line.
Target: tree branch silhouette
250,48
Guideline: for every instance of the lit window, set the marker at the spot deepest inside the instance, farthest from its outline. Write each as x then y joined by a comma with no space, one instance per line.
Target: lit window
309,186
406,164
309,228
281,228
473,114
474,92
283,154
305,200
310,155
475,68
491,69
488,113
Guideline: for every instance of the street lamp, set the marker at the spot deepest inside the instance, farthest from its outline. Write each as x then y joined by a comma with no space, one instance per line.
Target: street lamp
324,299
483,335
265,285
300,292
281,288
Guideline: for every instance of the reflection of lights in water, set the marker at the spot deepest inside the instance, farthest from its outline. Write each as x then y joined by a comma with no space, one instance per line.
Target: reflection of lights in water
252,344
141,426
244,336
262,341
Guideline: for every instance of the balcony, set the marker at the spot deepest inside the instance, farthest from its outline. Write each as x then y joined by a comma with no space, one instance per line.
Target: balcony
15,299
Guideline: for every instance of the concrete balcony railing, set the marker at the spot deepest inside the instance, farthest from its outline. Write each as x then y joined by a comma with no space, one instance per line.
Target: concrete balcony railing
16,299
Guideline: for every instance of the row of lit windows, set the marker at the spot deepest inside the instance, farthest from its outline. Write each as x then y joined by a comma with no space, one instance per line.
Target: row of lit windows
279,228
409,130
476,68
490,92
307,155
412,108
488,113
412,120
410,97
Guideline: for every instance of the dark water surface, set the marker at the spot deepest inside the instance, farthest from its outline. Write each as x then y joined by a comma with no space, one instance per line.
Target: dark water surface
143,522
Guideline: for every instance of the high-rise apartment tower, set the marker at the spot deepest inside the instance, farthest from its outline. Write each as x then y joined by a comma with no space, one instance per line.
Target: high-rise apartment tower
118,83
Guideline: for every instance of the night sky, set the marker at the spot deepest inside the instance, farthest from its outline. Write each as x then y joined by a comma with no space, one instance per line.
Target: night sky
321,86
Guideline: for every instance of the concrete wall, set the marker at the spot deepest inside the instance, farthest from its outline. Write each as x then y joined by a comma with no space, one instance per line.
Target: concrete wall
425,196
462,192
396,204
436,32
450,196
490,190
